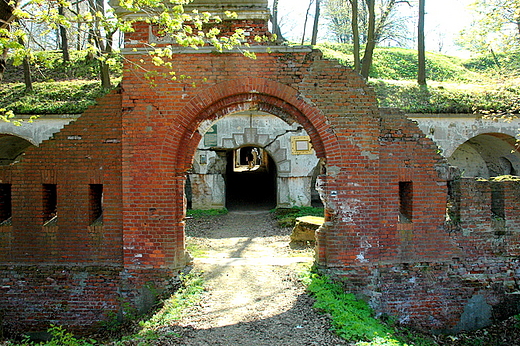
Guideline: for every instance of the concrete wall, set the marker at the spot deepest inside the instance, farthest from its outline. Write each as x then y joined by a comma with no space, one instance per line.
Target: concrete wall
479,147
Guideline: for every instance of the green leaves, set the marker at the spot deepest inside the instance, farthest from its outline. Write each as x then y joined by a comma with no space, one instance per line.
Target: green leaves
352,318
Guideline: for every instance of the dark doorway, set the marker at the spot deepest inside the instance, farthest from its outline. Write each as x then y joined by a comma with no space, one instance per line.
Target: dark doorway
250,179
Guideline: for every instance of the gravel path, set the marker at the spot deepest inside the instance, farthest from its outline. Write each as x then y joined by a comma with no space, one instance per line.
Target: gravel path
253,296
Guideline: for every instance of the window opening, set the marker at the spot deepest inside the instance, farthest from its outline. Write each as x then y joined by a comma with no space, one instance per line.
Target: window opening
5,205
453,204
96,204
498,215
405,201
50,205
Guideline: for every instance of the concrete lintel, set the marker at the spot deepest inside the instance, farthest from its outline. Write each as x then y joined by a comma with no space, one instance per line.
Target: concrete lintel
212,50
37,131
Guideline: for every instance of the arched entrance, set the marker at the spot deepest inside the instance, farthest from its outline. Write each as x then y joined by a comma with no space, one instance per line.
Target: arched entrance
252,159
11,148
251,176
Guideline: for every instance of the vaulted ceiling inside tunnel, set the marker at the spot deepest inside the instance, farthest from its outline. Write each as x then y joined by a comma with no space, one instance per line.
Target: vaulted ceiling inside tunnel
11,147
487,155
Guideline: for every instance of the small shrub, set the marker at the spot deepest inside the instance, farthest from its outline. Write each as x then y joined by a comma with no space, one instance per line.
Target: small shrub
60,337
352,318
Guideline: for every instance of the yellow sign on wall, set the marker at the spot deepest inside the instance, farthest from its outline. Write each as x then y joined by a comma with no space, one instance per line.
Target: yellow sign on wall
301,145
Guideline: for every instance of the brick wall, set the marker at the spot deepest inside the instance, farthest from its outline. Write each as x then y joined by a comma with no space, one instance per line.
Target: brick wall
68,271
383,184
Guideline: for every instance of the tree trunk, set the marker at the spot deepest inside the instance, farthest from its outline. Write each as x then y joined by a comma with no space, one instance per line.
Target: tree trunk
6,15
3,61
421,50
26,70
274,20
305,21
355,34
104,70
63,37
382,20
371,42
314,37
104,44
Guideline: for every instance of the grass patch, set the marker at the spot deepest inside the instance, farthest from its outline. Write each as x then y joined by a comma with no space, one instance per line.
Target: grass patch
287,216
66,97
48,66
198,213
195,250
173,309
445,97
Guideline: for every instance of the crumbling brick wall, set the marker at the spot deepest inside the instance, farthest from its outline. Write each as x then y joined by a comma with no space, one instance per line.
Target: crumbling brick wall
383,185
66,272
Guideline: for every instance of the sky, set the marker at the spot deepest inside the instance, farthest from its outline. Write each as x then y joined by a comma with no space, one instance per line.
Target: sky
443,22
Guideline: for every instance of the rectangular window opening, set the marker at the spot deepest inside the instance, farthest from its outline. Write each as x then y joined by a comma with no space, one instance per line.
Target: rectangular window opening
405,201
5,205
453,203
498,215
96,204
50,204
497,201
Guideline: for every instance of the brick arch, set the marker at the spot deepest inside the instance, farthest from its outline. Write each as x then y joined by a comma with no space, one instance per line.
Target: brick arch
240,95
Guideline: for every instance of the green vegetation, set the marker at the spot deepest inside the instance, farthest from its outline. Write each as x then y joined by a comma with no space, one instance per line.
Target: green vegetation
198,213
48,66
59,87
485,83
196,250
64,97
401,64
287,216
171,311
352,318
445,97
59,337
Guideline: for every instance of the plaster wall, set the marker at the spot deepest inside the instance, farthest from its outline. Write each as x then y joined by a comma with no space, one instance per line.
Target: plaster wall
449,131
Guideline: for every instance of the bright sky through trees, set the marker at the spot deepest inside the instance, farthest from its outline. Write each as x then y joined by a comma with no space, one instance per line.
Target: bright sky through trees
444,20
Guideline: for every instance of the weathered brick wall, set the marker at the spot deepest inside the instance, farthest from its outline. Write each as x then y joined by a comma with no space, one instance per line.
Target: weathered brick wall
68,272
383,185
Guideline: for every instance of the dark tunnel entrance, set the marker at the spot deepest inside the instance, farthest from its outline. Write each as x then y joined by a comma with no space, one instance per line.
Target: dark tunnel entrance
250,179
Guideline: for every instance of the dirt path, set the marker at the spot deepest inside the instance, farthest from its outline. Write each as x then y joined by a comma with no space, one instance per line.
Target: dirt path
253,296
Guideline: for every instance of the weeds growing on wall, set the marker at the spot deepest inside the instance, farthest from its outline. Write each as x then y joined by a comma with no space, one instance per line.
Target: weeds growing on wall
352,318
171,311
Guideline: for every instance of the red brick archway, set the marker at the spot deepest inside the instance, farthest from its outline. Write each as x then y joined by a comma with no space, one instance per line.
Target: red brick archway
180,144
238,95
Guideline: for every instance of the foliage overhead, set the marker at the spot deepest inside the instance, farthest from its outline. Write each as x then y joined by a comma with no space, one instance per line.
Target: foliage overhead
496,26
185,29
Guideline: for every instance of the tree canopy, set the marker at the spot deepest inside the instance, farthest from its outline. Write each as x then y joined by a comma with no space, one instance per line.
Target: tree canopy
496,26
96,23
